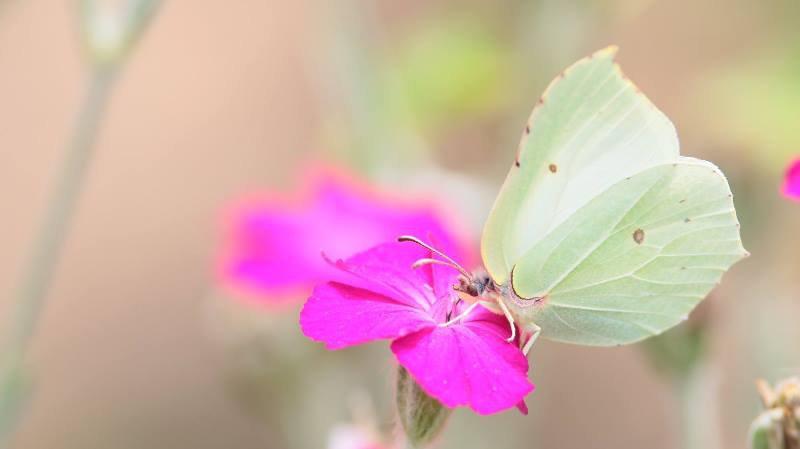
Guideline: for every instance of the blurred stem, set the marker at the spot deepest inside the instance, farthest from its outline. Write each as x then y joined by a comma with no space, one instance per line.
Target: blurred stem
379,140
38,274
59,210
356,77
698,395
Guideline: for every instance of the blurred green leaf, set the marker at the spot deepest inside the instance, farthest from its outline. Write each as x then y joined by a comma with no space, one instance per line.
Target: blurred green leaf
445,71
676,352
756,104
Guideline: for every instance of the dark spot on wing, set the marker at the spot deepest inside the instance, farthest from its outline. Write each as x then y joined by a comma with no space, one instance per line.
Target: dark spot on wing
682,201
686,220
516,163
638,236
553,168
528,129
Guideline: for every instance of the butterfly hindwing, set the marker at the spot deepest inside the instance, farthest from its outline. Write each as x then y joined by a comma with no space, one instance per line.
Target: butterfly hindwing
635,260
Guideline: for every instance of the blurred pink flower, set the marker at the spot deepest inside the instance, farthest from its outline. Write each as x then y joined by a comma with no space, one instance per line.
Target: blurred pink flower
468,362
353,437
273,243
791,182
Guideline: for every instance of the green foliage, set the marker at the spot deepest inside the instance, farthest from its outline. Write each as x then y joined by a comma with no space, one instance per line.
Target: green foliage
677,351
754,104
445,72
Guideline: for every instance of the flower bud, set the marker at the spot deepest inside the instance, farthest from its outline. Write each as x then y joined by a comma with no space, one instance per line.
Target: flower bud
766,432
422,417
110,31
779,426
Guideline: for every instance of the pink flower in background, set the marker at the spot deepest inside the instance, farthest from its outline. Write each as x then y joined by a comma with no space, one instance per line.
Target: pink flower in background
382,297
273,243
791,182
353,437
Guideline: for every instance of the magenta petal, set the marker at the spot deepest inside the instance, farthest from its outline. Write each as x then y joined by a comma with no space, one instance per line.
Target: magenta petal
466,364
376,294
791,182
342,315
386,269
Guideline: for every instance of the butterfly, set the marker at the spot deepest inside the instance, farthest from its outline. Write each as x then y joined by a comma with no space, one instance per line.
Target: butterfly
602,233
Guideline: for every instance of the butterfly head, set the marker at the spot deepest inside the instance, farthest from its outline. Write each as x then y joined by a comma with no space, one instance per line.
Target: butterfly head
476,284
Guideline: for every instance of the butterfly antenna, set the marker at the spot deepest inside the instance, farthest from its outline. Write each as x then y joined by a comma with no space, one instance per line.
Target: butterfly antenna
428,261
447,262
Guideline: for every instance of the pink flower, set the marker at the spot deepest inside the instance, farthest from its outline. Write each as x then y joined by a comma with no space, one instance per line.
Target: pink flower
468,362
273,243
353,437
791,182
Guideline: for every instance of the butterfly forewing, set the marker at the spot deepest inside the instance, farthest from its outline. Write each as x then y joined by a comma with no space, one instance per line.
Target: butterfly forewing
591,128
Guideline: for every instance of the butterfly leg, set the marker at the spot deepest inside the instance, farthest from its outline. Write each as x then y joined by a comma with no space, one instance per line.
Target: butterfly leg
461,315
491,306
510,319
533,331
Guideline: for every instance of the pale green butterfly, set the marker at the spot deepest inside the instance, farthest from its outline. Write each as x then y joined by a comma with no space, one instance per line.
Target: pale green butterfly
602,234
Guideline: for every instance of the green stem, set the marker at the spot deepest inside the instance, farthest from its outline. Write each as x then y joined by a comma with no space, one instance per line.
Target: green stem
38,274
59,210
699,408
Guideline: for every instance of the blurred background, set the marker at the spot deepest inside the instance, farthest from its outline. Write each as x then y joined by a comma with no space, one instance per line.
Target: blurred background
139,347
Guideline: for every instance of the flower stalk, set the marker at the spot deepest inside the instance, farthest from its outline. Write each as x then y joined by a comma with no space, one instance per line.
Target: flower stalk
698,393
31,294
37,276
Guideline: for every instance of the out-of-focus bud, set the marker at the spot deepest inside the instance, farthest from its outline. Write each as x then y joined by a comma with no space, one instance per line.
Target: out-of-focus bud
353,437
766,431
423,418
779,426
110,29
